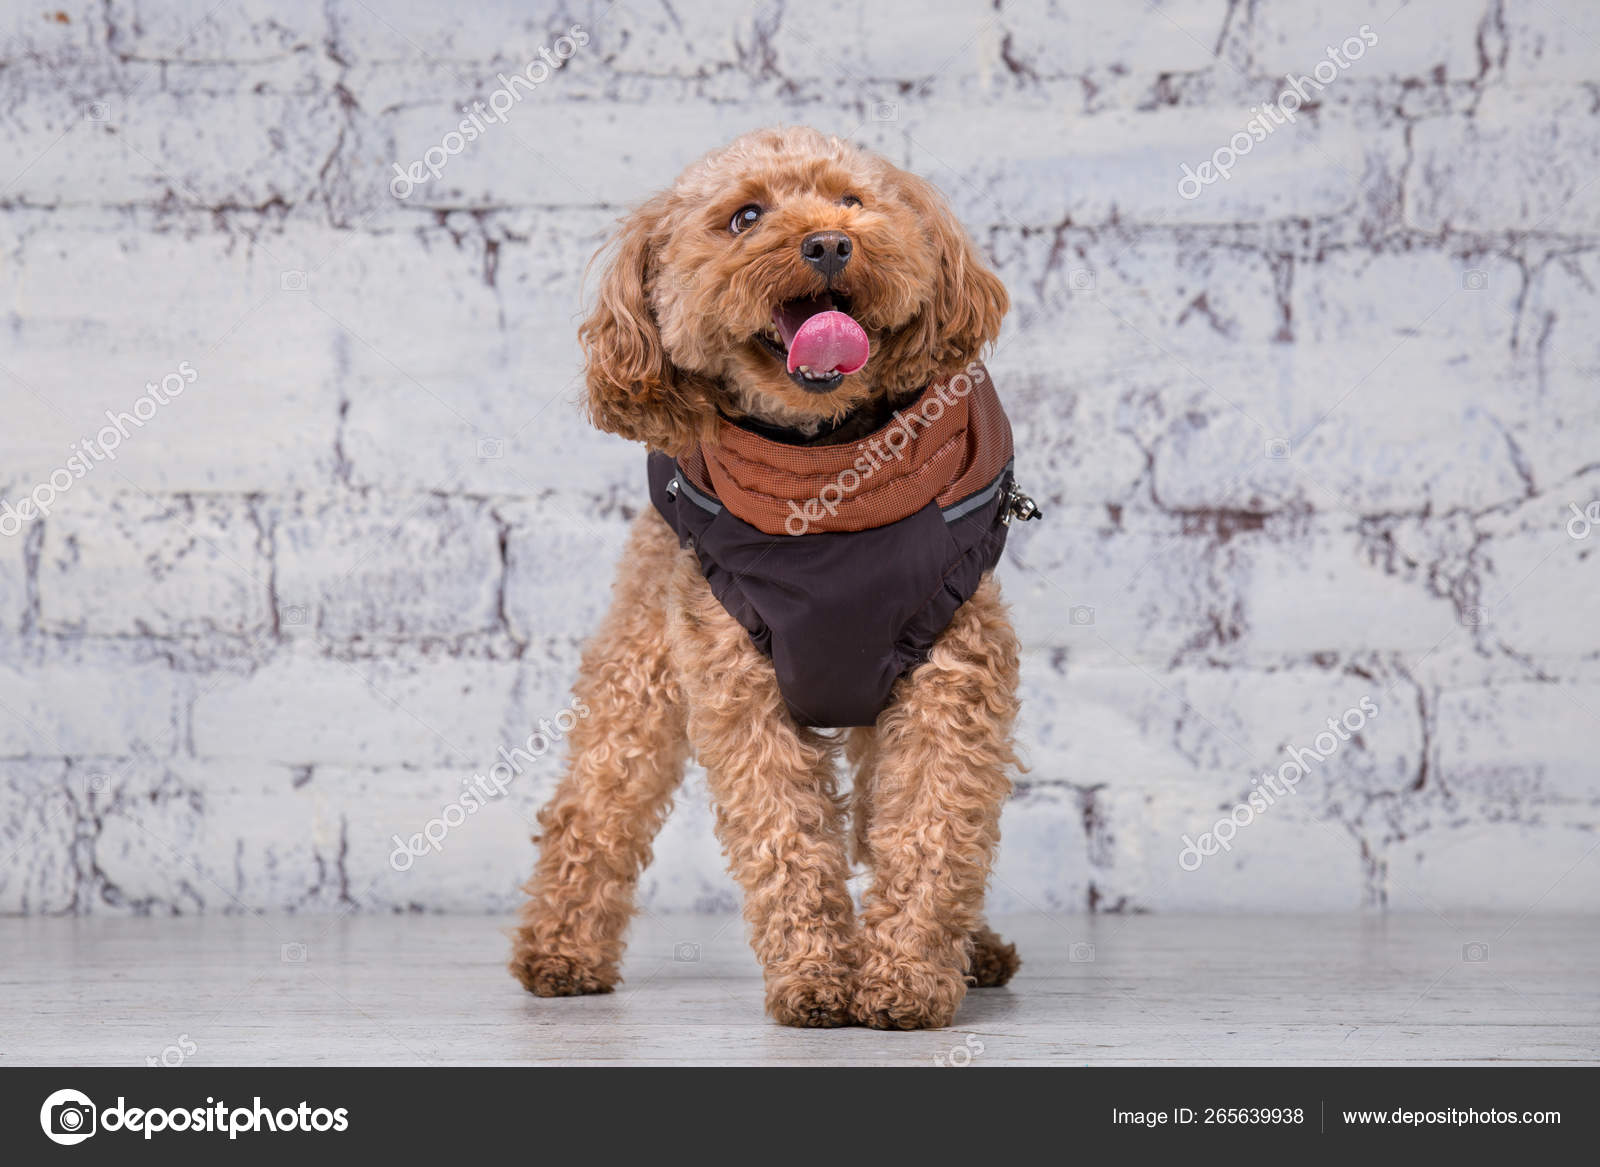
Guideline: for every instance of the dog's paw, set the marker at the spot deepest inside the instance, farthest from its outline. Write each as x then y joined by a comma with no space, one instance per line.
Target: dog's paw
547,975
810,1002
910,995
993,960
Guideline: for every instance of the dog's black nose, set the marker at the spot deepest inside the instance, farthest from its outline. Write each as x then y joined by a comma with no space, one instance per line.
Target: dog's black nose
826,251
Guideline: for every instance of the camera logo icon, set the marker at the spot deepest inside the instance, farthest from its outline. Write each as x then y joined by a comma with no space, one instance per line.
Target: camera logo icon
1080,614
97,111
1583,521
885,111
1081,953
292,281
491,448
1476,952
1474,617
1475,280
686,953
961,1055
1081,279
292,953
68,1117
1278,449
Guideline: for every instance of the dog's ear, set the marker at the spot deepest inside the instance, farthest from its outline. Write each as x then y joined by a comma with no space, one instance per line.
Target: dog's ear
634,388
969,301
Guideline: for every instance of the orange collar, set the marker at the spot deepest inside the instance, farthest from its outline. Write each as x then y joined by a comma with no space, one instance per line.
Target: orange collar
946,445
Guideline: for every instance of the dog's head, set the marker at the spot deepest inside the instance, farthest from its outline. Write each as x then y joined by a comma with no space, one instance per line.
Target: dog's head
788,277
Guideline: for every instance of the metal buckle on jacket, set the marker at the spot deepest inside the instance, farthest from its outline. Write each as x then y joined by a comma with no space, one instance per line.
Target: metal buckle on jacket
672,489
1019,506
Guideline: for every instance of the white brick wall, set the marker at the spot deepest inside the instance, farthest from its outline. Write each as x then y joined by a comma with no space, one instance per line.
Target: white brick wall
1311,436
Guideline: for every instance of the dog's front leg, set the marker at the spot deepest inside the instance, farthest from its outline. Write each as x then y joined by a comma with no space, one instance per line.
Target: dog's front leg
778,812
941,768
627,757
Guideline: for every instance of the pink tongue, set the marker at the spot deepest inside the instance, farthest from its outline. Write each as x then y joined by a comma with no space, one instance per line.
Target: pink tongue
829,342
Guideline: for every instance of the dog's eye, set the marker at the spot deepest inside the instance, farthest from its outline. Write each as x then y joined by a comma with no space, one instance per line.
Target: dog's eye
849,201
744,219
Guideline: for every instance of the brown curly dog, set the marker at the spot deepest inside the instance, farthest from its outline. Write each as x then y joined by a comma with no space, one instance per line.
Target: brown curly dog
689,334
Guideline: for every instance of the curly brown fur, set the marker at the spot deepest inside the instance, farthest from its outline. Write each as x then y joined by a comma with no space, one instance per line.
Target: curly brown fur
941,770
779,816
672,339
671,344
627,758
993,962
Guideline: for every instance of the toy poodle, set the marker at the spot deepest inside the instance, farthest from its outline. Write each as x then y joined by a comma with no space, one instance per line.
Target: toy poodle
793,329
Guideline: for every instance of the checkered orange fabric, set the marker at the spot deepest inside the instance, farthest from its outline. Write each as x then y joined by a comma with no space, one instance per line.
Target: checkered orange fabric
948,444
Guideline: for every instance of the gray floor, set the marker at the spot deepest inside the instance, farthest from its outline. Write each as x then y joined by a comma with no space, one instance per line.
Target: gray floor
1101,990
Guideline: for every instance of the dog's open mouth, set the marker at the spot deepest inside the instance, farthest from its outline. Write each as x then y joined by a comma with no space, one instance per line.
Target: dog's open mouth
817,340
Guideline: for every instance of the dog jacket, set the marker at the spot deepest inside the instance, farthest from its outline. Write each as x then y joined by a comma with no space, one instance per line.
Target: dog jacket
844,563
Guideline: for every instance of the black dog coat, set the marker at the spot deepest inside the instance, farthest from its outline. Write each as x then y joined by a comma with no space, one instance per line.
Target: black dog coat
845,563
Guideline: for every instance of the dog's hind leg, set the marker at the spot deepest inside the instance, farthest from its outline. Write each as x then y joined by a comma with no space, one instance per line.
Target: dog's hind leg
992,961
627,757
778,812
940,773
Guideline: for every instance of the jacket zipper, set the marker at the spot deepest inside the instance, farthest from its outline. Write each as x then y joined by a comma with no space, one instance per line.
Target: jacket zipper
1019,506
